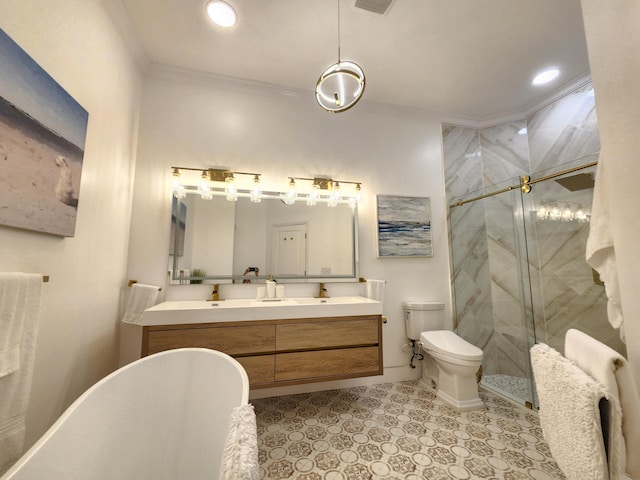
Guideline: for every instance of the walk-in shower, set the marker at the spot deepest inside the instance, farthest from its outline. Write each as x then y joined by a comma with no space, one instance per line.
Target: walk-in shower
520,201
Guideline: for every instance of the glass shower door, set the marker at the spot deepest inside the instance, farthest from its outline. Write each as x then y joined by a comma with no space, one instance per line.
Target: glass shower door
492,287
520,274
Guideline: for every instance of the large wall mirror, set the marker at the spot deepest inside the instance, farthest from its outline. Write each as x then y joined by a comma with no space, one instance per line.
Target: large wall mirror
246,242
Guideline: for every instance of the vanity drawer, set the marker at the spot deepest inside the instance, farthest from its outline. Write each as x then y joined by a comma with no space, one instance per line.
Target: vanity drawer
230,340
327,334
328,363
260,369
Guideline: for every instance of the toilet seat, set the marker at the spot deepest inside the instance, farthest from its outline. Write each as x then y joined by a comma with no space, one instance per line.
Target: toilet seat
447,344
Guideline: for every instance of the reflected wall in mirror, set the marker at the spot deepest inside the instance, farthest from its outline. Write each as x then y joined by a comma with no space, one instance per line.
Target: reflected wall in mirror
246,242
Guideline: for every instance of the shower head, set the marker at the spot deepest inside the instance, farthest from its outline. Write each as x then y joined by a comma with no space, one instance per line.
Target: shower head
582,181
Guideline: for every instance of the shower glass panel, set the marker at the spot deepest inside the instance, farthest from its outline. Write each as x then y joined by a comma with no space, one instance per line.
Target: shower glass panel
492,291
520,274
566,292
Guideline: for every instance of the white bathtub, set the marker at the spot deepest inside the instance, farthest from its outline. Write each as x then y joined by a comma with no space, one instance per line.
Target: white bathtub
165,416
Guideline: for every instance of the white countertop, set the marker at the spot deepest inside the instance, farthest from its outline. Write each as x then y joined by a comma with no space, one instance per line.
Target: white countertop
201,311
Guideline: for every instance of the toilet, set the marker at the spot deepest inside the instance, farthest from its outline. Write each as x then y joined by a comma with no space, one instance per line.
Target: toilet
451,362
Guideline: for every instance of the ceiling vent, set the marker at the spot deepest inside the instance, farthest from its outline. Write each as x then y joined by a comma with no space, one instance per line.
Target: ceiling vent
380,7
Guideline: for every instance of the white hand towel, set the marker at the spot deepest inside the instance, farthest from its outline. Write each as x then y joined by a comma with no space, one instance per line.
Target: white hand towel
609,368
19,316
141,297
375,289
600,253
240,455
570,414
18,291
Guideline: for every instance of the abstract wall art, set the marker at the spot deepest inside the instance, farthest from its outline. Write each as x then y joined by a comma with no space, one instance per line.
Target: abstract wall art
404,226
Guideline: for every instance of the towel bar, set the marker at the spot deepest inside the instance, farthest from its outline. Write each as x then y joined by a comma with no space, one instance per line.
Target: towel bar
131,282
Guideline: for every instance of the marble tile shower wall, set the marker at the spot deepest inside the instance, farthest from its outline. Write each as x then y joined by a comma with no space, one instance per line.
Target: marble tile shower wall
564,131
470,262
484,241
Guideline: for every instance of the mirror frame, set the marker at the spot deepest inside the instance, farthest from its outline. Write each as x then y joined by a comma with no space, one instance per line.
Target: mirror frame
238,279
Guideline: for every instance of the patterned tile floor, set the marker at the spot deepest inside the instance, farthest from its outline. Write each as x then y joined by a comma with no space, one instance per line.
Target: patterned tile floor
398,431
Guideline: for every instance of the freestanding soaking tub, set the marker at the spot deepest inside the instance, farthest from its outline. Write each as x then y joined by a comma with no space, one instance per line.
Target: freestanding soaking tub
165,416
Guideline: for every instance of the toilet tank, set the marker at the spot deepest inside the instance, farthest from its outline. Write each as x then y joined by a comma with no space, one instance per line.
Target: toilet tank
422,316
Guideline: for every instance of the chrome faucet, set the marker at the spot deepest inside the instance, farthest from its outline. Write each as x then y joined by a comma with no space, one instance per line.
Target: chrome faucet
323,291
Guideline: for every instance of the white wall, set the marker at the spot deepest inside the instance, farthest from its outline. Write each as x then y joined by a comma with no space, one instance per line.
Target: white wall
75,42
193,120
613,41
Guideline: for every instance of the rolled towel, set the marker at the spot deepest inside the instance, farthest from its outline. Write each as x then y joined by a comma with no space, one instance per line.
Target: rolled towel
141,297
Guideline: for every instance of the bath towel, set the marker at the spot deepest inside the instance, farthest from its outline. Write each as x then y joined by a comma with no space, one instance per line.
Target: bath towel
600,252
570,414
20,296
610,369
375,289
240,456
141,297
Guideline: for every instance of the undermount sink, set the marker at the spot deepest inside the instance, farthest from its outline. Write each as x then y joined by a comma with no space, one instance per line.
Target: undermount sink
201,311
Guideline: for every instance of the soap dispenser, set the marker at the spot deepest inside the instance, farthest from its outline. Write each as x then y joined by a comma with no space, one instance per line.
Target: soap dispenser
271,287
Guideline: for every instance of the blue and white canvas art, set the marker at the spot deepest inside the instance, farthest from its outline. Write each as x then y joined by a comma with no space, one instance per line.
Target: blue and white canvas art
404,226
42,136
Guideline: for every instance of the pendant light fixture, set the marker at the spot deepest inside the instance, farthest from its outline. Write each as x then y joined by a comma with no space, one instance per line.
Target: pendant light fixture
341,85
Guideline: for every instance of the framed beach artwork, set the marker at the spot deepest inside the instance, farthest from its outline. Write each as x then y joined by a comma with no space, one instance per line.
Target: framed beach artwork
404,226
42,135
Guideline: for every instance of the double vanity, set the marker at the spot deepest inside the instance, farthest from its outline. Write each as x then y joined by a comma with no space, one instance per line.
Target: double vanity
279,342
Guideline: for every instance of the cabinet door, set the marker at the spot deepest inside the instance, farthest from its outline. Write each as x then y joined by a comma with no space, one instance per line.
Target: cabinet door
327,334
233,340
260,369
344,362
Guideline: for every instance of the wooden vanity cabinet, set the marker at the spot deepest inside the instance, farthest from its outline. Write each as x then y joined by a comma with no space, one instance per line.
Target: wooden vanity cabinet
283,352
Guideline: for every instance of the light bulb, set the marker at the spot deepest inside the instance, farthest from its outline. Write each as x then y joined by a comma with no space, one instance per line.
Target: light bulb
335,195
312,199
178,190
204,188
581,216
256,191
542,213
289,198
230,189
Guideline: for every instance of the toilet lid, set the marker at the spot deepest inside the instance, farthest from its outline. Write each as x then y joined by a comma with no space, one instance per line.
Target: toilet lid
446,342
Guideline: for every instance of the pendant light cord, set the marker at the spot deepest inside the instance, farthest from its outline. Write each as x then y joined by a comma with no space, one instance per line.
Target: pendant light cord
338,31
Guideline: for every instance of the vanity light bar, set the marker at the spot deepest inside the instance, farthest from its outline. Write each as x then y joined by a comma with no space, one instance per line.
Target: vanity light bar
255,193
244,193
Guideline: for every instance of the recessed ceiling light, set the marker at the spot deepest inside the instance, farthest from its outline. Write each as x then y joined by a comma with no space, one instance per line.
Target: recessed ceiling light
545,76
221,13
